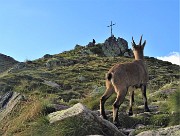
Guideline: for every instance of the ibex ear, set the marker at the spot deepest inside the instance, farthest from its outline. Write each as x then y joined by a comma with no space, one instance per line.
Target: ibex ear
144,44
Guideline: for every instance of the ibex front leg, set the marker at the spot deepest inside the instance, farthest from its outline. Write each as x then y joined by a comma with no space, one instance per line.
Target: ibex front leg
131,101
143,89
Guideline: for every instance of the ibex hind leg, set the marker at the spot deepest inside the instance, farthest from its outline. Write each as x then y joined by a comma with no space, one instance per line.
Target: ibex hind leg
109,91
143,89
119,100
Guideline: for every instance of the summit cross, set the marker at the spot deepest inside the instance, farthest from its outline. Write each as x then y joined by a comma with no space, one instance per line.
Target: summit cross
111,28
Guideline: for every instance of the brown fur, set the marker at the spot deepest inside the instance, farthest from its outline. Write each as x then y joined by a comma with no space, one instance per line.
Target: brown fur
129,74
122,76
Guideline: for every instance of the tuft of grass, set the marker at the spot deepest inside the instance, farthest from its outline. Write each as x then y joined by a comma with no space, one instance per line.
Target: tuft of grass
174,106
24,116
160,120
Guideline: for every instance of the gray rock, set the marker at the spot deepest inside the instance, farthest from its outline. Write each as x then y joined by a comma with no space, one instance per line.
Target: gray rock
5,98
126,54
77,46
52,62
91,44
81,78
52,84
140,126
128,132
123,44
114,47
169,131
97,112
12,99
86,52
19,66
79,110
47,56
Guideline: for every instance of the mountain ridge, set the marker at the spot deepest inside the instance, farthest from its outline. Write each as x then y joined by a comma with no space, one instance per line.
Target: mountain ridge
6,62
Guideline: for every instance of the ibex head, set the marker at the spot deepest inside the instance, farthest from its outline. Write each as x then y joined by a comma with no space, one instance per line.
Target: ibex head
138,49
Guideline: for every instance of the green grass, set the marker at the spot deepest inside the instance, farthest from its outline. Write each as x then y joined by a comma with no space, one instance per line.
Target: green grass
70,127
30,116
174,106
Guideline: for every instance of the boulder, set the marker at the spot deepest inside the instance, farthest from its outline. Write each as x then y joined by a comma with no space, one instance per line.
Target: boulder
52,62
47,56
115,47
168,131
52,84
8,101
123,44
126,54
111,48
81,78
5,98
91,44
80,111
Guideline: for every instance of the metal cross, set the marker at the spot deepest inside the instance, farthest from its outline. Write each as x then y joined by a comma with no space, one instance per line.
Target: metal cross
111,28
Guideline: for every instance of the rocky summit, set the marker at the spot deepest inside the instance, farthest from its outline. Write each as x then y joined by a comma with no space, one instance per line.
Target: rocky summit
116,47
112,47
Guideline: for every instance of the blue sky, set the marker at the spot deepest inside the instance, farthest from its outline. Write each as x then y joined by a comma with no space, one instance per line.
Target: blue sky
30,29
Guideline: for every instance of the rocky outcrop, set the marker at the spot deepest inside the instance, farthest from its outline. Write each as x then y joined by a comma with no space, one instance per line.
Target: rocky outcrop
53,62
16,67
112,47
116,47
5,98
169,131
82,112
6,62
7,102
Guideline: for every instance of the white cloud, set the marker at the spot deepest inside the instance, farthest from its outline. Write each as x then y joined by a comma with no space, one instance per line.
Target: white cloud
173,57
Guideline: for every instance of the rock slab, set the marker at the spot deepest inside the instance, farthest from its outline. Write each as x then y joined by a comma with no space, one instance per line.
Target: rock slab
7,102
169,131
79,110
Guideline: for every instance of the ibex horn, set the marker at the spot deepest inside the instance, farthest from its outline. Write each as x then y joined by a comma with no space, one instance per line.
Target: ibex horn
140,40
133,41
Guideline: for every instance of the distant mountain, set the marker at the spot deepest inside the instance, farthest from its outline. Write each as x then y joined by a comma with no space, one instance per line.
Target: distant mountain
6,62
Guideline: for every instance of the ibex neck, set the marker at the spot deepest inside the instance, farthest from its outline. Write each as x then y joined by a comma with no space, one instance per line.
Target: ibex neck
139,57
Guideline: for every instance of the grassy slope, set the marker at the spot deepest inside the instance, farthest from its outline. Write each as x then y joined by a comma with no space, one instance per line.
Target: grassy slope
6,62
77,81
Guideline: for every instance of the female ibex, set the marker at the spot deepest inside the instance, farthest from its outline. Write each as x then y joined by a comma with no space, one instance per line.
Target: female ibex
123,76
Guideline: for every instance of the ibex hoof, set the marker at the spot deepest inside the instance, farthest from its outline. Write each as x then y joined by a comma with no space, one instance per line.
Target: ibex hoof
130,113
104,117
116,123
147,110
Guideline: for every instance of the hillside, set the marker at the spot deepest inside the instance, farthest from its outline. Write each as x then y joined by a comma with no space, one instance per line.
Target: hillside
62,80
6,62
